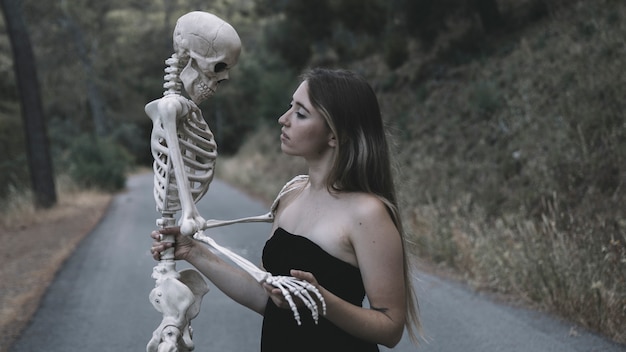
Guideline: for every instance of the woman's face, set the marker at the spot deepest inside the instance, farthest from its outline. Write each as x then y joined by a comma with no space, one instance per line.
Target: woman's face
305,132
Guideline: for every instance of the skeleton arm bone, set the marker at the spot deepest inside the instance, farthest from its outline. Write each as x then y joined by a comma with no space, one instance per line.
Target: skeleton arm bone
232,280
167,111
269,217
288,285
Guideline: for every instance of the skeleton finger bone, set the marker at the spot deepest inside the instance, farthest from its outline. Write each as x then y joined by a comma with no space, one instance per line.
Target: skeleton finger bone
297,289
301,289
289,299
294,289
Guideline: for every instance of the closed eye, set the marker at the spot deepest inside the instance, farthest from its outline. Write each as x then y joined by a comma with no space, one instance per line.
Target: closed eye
297,112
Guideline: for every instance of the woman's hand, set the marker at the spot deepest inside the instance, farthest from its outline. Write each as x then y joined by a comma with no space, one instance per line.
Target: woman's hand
183,245
279,299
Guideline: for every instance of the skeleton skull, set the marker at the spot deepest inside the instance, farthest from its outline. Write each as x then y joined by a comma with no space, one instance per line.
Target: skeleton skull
211,48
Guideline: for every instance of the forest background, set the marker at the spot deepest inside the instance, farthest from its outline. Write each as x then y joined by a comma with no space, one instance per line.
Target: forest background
507,120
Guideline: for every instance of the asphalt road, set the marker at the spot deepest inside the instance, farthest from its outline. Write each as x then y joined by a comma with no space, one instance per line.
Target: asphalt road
99,299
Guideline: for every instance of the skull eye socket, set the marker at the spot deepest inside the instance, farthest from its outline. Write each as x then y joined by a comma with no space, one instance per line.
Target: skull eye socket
220,66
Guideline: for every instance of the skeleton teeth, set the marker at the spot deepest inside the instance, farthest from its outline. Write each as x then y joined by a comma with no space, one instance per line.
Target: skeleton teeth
204,90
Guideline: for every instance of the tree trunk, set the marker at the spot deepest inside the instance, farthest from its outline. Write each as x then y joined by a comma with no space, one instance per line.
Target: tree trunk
95,99
37,145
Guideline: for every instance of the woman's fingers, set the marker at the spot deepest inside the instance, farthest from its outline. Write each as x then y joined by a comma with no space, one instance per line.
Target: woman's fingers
276,295
170,230
159,246
304,275
155,235
158,234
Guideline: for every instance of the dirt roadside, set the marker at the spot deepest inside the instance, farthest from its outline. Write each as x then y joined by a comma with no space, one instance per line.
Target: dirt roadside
33,251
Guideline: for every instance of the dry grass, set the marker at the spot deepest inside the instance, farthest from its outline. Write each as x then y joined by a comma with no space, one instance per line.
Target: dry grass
19,211
35,244
515,175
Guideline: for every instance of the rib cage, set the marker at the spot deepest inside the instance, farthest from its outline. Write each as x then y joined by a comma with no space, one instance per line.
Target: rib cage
199,152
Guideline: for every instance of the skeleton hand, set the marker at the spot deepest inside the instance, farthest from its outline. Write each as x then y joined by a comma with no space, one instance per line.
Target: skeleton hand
303,286
286,285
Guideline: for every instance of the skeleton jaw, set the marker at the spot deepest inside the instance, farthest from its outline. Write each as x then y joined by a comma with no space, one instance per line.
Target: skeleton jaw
199,85
201,92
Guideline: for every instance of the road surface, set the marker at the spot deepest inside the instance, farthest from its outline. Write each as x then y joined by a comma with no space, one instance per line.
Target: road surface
99,299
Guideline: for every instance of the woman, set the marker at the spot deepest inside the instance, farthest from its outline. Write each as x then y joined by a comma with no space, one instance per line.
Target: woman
340,230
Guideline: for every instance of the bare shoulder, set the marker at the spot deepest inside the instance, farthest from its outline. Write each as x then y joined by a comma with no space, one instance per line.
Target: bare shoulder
374,238
370,218
367,208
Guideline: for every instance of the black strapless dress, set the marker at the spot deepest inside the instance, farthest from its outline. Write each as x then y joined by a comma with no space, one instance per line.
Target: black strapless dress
285,251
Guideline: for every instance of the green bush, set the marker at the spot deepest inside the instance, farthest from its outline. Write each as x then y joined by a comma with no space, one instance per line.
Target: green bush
396,50
98,163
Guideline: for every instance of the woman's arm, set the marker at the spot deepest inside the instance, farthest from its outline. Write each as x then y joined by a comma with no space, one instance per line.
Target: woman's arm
233,281
378,249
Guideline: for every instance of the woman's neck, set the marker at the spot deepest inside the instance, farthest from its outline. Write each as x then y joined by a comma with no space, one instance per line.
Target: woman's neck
318,176
319,169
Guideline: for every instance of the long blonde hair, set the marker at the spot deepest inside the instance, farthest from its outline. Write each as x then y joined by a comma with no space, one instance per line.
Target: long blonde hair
350,107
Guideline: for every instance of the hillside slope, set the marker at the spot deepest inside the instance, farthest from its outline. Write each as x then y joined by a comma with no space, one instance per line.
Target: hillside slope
511,160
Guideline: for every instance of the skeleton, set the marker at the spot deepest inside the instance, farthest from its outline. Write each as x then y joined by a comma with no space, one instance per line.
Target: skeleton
184,153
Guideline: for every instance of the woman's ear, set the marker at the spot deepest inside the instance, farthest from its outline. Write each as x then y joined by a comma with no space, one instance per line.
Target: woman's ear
332,141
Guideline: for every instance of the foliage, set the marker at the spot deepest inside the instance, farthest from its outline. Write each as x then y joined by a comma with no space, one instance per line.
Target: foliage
98,163
109,57
300,33
396,51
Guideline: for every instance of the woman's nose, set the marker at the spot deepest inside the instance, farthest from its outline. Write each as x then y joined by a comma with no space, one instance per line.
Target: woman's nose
283,120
